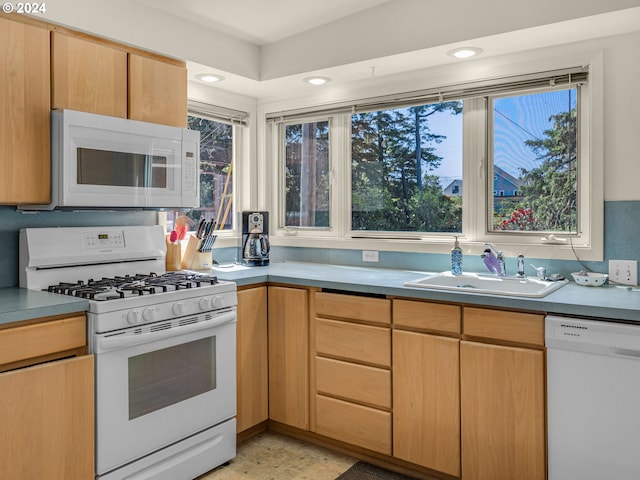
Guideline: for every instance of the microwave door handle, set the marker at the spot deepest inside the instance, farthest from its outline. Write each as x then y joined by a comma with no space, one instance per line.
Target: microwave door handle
116,342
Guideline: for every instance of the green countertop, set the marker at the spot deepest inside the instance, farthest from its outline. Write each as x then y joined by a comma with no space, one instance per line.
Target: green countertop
606,302
20,304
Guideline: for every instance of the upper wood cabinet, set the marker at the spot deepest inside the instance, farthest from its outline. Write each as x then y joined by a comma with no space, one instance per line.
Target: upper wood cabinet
152,84
88,76
97,76
24,114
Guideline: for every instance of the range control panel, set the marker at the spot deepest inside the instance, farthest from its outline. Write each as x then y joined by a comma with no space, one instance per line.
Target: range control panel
106,239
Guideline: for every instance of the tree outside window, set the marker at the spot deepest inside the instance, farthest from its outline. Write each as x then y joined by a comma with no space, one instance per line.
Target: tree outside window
407,168
536,161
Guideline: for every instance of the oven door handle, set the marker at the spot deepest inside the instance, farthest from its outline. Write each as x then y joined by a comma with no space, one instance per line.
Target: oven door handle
115,342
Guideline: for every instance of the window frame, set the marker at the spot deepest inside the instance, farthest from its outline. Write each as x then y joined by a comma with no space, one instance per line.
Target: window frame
590,196
588,244
336,170
238,121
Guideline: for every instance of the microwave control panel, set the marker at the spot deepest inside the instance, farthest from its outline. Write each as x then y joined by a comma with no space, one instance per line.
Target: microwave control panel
190,168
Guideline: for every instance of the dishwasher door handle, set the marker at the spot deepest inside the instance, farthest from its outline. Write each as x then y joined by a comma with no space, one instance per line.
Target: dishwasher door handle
625,352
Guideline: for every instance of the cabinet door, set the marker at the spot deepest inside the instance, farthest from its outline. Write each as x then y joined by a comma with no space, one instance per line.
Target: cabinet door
47,414
289,356
88,76
25,171
157,91
252,360
426,399
503,418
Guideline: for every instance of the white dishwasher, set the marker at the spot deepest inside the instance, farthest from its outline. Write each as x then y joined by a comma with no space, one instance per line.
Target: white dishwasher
593,399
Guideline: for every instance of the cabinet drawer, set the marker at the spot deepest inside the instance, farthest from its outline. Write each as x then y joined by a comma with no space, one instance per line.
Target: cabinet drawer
354,424
503,325
426,315
377,310
362,343
361,383
40,339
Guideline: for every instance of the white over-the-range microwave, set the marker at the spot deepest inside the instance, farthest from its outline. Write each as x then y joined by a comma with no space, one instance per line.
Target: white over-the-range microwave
100,162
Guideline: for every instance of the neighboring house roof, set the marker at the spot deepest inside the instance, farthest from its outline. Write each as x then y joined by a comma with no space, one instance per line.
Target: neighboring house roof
454,188
504,184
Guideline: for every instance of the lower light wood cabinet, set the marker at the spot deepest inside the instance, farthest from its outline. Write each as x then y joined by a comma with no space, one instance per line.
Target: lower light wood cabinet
502,390
47,415
351,370
252,358
362,383
426,400
46,401
289,356
441,389
354,424
503,413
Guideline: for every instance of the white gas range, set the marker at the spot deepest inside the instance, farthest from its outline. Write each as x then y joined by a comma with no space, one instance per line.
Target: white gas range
164,344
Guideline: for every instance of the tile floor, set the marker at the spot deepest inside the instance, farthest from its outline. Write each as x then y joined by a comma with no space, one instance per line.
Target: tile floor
271,456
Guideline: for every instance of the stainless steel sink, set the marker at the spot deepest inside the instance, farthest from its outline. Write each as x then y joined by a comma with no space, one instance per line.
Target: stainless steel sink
489,284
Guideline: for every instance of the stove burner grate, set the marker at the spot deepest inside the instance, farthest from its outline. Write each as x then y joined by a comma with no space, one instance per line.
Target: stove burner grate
140,284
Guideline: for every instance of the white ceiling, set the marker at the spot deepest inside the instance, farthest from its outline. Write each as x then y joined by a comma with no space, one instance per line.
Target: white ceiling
264,48
261,22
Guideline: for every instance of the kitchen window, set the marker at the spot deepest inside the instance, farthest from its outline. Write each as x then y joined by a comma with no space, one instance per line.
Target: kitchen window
507,160
405,164
535,161
220,134
306,175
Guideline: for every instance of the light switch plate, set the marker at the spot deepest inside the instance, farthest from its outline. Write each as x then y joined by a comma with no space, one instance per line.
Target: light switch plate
623,272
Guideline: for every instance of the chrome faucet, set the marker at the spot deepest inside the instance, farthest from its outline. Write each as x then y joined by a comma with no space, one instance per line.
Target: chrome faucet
520,273
494,260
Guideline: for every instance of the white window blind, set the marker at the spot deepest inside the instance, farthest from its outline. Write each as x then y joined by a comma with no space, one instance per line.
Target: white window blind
219,114
502,85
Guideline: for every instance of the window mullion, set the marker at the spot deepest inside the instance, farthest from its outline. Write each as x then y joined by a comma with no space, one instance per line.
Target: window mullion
474,199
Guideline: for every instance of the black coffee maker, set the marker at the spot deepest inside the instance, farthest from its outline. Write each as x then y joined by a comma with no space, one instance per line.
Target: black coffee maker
255,238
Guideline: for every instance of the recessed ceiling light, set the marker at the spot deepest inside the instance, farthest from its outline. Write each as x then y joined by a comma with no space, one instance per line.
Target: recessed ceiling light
317,80
210,77
464,52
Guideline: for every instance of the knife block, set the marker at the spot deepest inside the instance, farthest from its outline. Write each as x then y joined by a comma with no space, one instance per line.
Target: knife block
193,259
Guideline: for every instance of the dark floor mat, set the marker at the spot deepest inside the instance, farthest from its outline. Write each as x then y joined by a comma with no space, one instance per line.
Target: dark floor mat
366,471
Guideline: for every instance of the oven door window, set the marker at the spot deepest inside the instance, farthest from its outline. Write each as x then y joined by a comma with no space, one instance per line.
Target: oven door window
165,377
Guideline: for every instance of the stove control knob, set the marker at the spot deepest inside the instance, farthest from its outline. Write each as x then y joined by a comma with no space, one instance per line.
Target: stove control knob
148,314
178,309
133,317
205,303
216,301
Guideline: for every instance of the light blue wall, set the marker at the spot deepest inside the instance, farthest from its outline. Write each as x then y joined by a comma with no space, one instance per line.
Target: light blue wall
12,220
622,241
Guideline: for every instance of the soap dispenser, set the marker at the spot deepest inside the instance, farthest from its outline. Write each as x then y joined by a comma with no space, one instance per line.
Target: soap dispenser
456,258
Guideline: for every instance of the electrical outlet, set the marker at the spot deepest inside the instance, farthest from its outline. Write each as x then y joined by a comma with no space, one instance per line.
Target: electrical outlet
370,256
624,272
